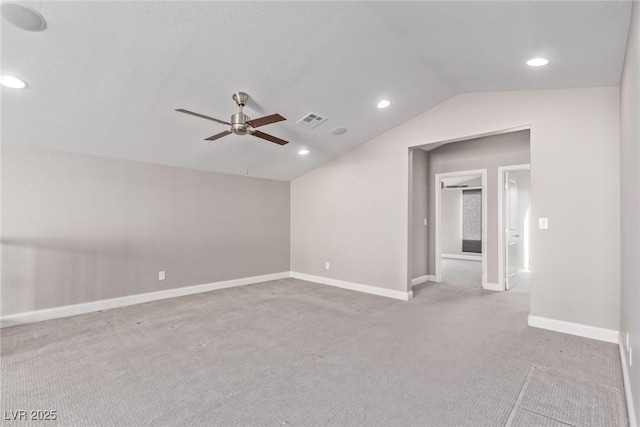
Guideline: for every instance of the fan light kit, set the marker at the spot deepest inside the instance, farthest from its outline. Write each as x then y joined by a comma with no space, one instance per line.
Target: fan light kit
12,82
241,124
23,17
537,62
384,103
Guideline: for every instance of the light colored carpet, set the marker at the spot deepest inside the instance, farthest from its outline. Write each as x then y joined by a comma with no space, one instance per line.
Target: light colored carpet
523,282
290,352
462,272
552,398
469,274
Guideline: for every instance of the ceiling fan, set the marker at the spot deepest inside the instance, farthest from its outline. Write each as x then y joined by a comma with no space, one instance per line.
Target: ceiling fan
241,124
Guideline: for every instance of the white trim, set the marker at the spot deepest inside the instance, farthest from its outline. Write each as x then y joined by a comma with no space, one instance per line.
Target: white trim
463,188
633,422
438,231
492,287
464,257
422,279
476,136
367,289
501,248
593,332
105,304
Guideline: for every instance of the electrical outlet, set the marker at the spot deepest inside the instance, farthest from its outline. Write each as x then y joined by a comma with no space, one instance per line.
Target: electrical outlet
162,275
326,265
425,221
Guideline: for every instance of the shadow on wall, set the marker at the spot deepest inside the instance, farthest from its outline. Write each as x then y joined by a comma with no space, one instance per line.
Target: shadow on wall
81,228
71,264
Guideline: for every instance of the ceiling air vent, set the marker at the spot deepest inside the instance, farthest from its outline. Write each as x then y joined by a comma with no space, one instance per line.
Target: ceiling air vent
311,120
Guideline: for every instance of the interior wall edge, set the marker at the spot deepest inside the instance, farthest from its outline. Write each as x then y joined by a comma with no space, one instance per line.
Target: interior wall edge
628,392
629,174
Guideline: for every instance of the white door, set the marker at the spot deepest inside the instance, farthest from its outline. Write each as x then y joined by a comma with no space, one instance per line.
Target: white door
512,234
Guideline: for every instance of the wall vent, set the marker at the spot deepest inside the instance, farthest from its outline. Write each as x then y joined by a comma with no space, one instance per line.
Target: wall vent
311,120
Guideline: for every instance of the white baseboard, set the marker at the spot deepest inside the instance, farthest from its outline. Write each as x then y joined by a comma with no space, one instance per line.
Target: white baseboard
368,289
593,332
88,307
492,287
423,279
462,256
633,422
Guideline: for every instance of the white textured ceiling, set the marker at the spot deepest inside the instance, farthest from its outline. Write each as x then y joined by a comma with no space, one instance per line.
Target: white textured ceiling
105,77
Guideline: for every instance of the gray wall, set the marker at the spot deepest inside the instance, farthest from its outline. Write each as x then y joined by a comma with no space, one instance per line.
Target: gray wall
420,181
630,200
77,228
482,153
354,210
451,208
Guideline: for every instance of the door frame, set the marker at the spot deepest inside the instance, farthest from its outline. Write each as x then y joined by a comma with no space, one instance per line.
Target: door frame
501,212
438,222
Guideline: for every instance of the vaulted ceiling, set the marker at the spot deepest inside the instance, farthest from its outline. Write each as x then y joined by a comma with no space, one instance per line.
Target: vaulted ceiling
104,78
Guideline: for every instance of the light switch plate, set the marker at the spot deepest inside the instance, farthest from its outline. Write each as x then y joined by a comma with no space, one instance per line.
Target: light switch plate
162,275
543,223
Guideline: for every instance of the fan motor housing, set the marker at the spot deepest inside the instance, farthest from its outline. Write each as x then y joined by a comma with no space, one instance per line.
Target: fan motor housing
239,125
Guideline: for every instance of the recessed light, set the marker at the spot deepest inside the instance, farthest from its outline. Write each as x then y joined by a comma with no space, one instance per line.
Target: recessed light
384,103
23,17
12,82
537,62
340,130
303,152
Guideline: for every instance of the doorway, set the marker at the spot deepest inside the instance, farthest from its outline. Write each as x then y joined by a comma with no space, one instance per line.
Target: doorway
514,191
452,160
461,228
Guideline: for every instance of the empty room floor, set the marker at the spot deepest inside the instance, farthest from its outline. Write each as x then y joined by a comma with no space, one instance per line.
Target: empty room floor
523,282
290,352
462,272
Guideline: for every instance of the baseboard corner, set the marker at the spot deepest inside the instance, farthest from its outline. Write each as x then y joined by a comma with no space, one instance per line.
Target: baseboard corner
631,412
423,279
578,329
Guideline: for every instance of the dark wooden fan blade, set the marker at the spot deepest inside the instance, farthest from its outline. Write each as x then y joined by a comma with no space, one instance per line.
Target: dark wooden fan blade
181,110
266,120
219,135
269,137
